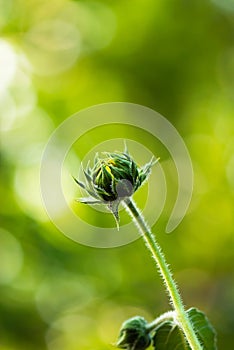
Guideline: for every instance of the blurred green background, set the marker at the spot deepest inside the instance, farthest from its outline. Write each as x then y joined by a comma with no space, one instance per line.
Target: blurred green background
58,57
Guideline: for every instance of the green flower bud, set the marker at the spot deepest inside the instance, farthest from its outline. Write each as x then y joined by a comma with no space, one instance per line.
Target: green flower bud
134,334
114,177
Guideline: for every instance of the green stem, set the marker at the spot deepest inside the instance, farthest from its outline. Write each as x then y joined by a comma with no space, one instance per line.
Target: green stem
167,316
165,273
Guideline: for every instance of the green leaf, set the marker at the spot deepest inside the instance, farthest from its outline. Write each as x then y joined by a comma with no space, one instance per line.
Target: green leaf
168,336
205,331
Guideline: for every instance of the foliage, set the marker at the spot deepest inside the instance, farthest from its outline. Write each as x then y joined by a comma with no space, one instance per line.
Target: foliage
164,333
168,335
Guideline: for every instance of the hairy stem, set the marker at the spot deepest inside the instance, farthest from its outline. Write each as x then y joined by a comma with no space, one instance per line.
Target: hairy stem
165,273
167,316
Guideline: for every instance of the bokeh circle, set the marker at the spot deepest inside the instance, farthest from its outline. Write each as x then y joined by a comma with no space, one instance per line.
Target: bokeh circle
62,209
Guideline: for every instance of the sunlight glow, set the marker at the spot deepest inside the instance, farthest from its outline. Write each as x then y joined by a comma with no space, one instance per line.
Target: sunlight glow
8,64
52,46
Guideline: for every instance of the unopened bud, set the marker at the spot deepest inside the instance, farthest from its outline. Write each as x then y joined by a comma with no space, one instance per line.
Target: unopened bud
134,334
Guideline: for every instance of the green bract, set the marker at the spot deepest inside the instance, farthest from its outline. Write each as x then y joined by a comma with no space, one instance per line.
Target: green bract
114,177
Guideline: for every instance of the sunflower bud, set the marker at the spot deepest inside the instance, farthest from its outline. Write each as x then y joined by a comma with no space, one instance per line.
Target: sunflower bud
113,178
134,335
